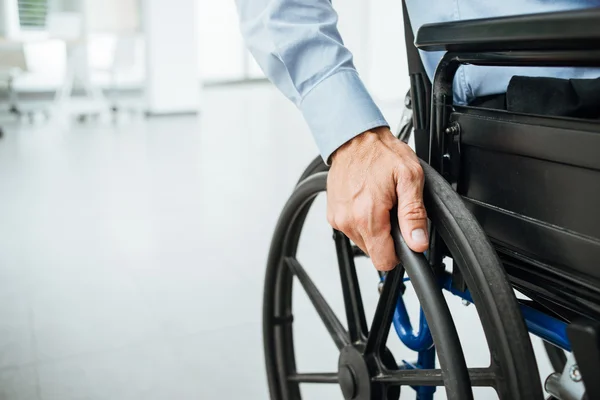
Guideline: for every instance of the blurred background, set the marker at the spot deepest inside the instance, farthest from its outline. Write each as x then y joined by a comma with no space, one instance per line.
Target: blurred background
144,160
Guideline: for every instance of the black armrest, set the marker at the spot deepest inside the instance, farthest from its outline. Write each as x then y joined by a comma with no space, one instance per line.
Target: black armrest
570,30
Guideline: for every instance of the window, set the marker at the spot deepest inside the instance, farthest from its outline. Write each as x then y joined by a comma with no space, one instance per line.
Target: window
32,14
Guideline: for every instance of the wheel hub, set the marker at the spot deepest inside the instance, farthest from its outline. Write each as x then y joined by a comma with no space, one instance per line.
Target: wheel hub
355,371
348,382
354,375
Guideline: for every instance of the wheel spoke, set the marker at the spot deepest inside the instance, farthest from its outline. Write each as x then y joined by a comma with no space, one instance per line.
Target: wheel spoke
355,312
324,377
433,377
380,328
332,323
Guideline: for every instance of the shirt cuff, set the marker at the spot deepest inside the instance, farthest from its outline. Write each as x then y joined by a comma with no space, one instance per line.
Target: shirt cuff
338,109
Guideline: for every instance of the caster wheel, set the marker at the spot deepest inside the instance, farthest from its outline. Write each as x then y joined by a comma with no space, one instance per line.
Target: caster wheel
366,368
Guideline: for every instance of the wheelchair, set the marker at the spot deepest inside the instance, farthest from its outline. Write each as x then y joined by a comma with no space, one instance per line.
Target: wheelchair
512,200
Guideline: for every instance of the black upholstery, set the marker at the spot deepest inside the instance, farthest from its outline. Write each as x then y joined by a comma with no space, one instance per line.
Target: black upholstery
570,30
534,185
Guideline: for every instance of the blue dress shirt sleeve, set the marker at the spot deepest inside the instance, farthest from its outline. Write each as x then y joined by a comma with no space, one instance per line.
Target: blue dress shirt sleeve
297,45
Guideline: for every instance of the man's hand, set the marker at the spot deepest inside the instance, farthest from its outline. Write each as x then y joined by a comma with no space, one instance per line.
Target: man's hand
369,175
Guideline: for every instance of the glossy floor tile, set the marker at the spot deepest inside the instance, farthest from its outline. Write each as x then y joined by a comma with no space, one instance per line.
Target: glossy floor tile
132,256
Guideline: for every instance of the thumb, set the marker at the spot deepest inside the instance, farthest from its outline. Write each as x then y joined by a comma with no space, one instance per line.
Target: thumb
412,216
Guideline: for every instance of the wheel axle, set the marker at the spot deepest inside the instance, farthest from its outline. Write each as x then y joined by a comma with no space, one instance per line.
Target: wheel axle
357,374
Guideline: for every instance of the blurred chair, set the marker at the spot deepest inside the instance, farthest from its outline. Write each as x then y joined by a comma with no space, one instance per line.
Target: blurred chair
127,69
68,26
12,64
45,62
116,64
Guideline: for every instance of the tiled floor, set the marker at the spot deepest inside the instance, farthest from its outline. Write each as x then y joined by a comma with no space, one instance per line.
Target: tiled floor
132,256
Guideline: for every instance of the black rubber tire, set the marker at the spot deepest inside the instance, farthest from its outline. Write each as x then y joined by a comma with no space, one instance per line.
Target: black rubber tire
497,306
510,348
317,165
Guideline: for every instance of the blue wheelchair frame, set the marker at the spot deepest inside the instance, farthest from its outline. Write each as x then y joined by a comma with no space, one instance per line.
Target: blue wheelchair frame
538,323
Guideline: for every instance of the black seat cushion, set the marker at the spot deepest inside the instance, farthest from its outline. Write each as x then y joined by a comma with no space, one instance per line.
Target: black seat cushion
574,98
577,98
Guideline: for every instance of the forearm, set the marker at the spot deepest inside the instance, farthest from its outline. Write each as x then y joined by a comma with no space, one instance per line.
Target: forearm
298,46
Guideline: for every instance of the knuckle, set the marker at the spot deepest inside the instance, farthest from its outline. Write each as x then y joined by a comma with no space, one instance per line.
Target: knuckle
414,210
410,172
344,223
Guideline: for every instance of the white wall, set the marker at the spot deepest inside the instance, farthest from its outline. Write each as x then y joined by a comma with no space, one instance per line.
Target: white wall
355,27
9,15
374,32
171,56
221,51
388,71
2,18
114,16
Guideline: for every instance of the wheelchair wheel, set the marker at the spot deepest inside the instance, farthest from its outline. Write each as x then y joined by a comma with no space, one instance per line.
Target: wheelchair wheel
366,368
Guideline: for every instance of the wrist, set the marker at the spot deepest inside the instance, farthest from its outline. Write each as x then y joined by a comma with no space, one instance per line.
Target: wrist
366,139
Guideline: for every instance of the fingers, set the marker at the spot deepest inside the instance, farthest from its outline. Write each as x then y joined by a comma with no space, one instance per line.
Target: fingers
343,223
380,245
371,231
357,240
368,176
412,216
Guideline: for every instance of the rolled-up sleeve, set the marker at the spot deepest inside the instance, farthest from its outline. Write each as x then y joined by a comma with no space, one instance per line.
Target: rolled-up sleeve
298,46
